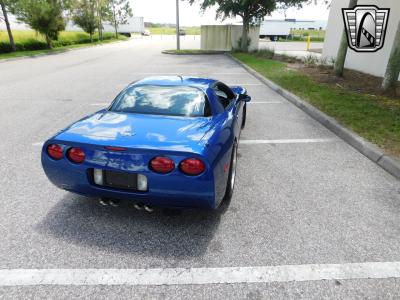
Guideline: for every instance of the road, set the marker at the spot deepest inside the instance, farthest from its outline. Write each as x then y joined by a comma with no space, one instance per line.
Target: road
305,198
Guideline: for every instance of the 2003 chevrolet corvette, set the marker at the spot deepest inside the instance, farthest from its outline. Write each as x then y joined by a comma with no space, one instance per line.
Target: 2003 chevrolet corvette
164,141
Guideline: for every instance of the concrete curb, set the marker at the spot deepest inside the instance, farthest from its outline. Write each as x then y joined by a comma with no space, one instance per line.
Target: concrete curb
172,52
366,148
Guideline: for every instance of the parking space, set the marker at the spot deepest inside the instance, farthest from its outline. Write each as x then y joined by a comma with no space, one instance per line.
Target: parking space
302,196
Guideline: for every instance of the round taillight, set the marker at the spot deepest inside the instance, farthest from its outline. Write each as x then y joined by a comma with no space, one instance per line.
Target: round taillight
76,155
55,151
192,166
162,164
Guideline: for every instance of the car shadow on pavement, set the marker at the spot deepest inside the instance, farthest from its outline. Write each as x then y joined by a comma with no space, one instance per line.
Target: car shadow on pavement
123,229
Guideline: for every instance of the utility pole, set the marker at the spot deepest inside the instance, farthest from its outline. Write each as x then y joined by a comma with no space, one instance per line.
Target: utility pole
178,42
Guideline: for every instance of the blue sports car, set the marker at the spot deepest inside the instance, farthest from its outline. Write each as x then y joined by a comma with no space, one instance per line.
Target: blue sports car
164,141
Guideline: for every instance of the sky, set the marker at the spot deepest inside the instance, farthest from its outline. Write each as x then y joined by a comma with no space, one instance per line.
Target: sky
163,11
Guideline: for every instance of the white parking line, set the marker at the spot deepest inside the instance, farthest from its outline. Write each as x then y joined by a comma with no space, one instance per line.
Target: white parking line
38,144
183,276
265,102
245,84
287,141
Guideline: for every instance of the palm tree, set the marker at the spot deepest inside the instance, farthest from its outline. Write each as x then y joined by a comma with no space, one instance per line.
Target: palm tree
393,67
342,51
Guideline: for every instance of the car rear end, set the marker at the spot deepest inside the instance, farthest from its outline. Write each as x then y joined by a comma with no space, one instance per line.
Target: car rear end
160,177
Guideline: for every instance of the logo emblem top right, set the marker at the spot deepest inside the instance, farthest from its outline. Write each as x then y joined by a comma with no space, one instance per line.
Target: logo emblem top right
366,27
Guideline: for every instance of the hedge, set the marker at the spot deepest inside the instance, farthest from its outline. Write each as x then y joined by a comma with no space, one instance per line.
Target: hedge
37,44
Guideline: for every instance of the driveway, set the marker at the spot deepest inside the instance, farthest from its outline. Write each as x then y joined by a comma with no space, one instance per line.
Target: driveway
303,196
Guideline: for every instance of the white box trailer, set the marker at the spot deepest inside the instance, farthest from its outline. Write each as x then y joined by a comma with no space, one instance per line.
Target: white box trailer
134,24
275,29
281,29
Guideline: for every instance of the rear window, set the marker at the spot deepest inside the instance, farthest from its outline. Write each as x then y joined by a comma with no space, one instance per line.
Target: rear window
162,100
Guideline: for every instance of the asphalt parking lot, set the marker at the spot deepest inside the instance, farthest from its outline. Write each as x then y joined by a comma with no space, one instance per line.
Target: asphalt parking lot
302,195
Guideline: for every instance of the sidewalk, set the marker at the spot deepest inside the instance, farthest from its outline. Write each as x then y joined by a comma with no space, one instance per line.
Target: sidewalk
295,49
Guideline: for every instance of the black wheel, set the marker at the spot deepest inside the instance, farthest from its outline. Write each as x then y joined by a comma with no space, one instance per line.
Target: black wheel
232,174
244,115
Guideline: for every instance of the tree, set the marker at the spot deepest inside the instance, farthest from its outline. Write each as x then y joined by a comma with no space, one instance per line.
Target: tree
84,15
393,67
101,11
248,10
5,7
44,16
342,51
120,11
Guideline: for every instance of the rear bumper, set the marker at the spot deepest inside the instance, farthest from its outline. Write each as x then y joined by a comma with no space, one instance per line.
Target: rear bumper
173,190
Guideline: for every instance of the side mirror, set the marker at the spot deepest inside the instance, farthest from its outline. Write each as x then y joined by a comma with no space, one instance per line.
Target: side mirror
245,98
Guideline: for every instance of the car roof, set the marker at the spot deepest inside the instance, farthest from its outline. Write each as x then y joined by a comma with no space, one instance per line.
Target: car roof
202,83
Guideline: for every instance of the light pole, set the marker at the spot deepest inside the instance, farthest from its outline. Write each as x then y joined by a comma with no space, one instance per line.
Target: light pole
178,42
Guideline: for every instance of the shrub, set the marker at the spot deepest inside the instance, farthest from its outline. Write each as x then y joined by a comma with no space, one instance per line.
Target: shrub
29,40
239,44
311,61
5,47
268,53
27,45
30,44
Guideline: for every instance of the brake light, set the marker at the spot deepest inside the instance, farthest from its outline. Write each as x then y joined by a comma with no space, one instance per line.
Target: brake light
162,164
111,148
192,166
76,155
55,151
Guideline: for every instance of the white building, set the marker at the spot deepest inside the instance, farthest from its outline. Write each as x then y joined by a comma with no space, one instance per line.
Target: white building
371,63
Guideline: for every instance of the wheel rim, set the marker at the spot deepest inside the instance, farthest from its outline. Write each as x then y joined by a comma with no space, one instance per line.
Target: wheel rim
233,167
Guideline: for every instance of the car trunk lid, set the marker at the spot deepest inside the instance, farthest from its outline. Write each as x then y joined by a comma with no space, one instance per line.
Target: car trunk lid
107,128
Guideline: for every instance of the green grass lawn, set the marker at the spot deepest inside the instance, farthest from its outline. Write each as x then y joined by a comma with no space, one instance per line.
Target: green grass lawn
376,118
48,51
74,39
21,36
29,41
171,31
302,36
312,33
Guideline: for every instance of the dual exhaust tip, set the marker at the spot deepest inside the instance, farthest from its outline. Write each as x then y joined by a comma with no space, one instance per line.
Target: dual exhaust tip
115,203
141,206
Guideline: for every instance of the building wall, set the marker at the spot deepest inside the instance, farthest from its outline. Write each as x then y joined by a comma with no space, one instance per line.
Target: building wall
226,37
371,63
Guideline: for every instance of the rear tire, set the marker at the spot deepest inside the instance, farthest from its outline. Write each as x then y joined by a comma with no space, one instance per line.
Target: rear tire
230,185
